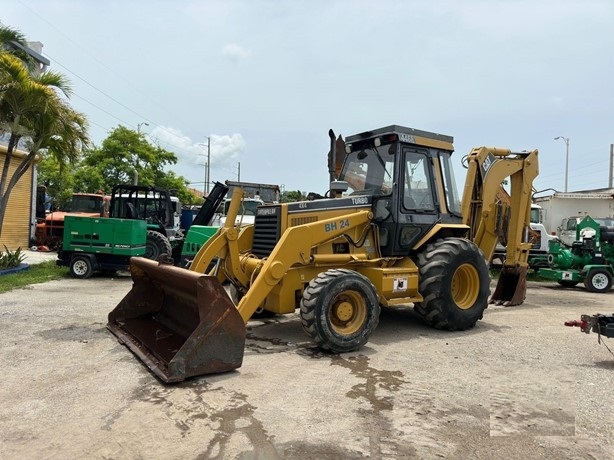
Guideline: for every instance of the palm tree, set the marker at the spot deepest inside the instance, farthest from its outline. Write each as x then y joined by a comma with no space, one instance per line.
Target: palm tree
35,109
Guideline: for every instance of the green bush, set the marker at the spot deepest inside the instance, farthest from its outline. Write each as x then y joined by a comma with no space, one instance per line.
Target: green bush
10,259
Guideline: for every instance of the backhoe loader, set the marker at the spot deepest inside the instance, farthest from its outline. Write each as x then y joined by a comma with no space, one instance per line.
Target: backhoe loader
391,231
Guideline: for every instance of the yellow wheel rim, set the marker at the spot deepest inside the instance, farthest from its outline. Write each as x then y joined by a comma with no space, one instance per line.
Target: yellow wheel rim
348,313
465,286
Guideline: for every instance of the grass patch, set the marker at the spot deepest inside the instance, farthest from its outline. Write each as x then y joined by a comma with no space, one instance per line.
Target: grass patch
37,273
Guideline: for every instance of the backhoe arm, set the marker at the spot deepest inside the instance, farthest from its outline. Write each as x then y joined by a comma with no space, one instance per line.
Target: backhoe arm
488,168
482,208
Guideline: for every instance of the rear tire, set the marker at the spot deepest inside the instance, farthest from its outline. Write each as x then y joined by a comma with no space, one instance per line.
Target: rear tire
455,284
598,280
340,310
156,245
81,267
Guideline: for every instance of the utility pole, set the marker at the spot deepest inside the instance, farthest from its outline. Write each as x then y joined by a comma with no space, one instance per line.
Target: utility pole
566,140
208,175
611,165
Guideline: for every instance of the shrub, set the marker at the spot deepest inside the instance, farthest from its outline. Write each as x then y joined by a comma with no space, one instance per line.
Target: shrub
10,259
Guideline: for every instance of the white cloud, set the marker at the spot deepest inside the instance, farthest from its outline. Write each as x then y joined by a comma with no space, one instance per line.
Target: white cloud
235,52
225,151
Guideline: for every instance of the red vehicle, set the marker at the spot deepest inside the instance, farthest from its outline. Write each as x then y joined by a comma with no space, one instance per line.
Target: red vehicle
50,230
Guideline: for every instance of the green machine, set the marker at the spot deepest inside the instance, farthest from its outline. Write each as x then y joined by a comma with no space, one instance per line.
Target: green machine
200,229
102,244
588,260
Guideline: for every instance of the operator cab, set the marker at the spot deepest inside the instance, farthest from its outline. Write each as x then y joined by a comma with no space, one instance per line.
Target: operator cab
408,173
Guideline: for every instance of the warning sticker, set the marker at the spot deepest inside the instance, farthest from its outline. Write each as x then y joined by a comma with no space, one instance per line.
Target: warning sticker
399,284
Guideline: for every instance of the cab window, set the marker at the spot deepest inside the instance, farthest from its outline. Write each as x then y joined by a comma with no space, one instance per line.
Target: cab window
417,192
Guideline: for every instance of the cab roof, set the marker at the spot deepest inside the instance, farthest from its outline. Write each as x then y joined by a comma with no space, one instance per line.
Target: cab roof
406,135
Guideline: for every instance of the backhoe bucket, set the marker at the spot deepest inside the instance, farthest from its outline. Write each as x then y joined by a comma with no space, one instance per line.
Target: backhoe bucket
512,286
178,322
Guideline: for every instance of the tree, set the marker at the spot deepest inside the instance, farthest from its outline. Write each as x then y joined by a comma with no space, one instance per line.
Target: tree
291,196
34,109
125,155
58,180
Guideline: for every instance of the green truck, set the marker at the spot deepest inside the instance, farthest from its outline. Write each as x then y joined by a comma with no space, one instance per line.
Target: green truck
200,229
102,244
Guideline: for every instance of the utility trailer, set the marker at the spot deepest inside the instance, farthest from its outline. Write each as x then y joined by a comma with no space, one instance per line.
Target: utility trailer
100,244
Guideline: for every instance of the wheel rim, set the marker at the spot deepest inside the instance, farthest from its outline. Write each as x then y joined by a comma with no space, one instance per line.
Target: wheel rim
465,286
599,281
151,251
348,313
80,267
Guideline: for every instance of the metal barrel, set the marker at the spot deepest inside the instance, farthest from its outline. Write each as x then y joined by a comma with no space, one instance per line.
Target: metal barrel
178,322
512,286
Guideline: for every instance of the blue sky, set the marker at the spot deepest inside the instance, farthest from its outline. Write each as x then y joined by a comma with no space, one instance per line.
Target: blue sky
266,80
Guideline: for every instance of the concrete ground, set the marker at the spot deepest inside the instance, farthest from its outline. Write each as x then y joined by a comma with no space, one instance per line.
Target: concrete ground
35,257
518,385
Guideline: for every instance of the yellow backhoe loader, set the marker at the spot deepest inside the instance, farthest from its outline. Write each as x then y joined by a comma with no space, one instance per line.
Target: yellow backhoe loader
391,232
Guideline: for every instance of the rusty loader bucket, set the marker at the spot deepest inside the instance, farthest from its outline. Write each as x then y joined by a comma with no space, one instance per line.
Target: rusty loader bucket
178,322
512,286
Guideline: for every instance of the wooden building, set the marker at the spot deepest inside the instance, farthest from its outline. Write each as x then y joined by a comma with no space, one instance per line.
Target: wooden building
19,217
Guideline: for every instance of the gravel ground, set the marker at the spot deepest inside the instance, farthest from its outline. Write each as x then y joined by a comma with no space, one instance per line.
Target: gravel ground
519,385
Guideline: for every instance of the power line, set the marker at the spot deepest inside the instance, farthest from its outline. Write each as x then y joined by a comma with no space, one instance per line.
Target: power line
110,69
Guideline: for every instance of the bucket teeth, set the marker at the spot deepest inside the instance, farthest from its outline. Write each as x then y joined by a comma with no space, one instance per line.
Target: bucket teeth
511,288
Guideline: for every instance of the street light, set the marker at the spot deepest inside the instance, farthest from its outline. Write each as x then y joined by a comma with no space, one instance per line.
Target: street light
138,126
207,166
566,140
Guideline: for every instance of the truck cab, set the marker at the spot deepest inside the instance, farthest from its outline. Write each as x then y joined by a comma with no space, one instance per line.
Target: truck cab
247,212
567,232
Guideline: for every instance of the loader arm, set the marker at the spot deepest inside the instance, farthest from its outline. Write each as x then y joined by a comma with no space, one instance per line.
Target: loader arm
294,247
224,239
481,208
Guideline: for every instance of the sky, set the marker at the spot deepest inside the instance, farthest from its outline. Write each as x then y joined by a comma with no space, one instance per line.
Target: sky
264,81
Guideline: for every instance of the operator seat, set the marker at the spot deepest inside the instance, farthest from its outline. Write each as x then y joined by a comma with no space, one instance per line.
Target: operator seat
131,212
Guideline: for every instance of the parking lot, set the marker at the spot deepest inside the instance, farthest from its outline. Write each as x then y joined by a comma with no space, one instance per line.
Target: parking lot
519,385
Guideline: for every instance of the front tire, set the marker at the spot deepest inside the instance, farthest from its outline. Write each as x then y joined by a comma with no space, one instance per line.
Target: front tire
340,310
156,245
81,267
455,284
598,280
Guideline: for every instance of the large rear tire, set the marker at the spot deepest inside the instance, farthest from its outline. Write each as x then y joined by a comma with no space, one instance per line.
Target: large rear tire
156,245
340,310
455,284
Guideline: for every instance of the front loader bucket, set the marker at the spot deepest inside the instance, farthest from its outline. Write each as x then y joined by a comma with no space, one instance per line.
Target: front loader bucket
178,322
512,286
